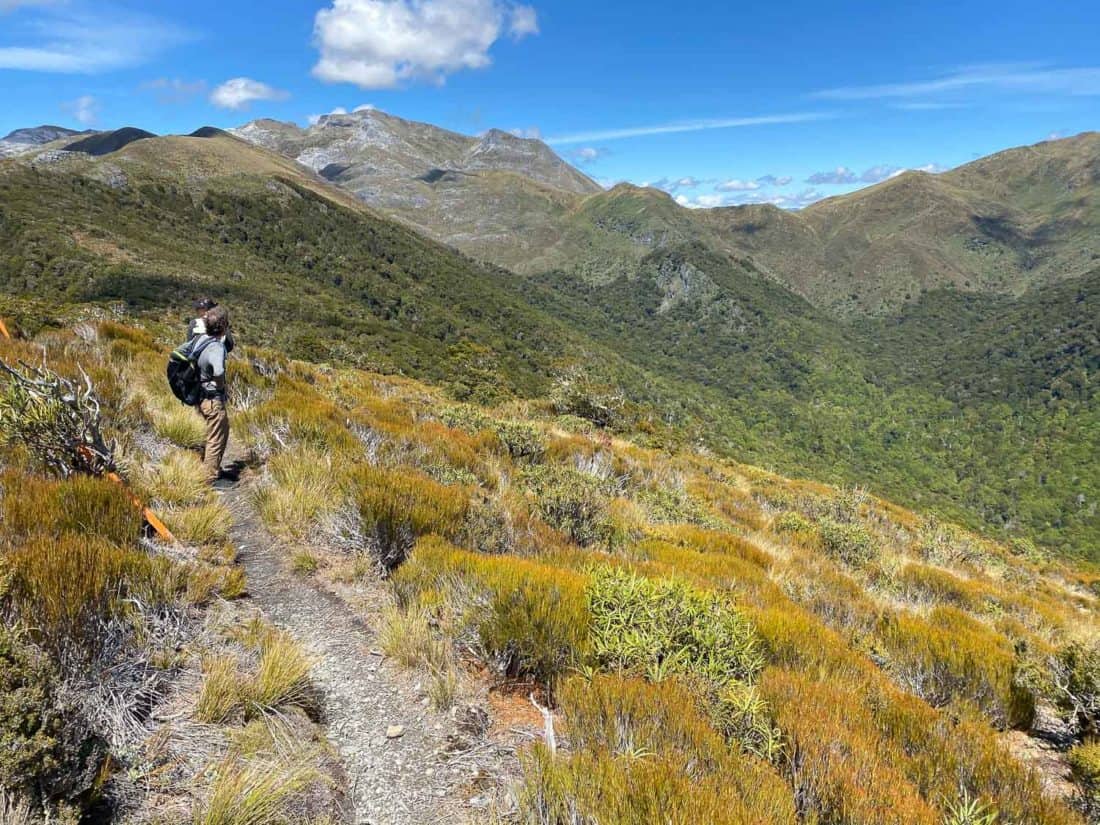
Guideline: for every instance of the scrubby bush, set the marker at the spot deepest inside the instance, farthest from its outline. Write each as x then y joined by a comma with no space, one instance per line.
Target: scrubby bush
1077,671
573,502
793,522
87,506
664,627
522,440
953,656
398,506
528,619
848,542
47,749
1084,760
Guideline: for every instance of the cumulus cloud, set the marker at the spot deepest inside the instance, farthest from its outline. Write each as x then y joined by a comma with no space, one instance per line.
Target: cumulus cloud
240,92
379,44
313,120
531,133
673,185
842,174
874,174
878,173
736,185
61,39
85,109
587,154
774,180
174,90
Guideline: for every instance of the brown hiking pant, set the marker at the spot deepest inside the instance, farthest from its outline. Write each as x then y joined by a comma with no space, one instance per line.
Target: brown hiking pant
217,434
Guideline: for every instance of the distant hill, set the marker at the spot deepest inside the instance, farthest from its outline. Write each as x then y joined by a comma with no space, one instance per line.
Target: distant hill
104,143
27,139
999,225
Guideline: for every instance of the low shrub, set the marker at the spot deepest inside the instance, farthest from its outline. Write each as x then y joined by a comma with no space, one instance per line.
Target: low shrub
575,503
66,588
398,506
48,750
953,656
523,441
527,619
664,627
793,522
1077,668
177,480
80,505
1084,761
848,542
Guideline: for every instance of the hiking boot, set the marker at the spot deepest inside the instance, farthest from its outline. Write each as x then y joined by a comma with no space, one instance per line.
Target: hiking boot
229,474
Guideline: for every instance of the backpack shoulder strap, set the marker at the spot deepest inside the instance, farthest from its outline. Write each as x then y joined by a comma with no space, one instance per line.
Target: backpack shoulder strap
196,352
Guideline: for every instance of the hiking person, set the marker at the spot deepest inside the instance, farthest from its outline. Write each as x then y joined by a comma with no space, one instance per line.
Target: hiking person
198,324
211,366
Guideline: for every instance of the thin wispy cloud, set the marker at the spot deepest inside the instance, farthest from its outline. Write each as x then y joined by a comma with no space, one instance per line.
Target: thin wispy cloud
1013,77
686,126
66,39
926,105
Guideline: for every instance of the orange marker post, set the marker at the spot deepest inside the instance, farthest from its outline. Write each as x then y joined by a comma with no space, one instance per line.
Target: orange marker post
148,514
4,329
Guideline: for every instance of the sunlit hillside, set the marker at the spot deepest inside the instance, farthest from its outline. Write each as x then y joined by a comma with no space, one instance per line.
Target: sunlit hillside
713,642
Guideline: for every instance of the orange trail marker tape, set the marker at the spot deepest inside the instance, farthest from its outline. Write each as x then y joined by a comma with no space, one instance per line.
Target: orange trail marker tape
148,514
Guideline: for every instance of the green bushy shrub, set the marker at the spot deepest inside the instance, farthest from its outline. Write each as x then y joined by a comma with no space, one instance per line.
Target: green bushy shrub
848,542
575,503
665,627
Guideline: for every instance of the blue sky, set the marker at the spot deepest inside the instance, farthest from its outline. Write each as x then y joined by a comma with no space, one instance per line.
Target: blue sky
717,102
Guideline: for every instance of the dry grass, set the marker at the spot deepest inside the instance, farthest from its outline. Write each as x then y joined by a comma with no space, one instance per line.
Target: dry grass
201,524
255,791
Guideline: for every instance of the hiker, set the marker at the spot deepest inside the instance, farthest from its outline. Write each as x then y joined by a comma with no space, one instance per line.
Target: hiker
198,324
211,366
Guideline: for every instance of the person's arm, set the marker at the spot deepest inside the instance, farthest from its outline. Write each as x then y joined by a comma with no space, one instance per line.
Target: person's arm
217,366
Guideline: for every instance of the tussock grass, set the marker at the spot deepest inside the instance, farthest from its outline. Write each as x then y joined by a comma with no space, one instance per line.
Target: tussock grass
178,480
220,694
201,524
282,677
255,791
181,425
87,506
300,490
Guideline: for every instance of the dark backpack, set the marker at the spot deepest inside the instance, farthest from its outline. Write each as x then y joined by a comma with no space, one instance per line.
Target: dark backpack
183,371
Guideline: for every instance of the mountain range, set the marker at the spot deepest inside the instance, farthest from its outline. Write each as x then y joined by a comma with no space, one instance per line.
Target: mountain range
1002,224
934,337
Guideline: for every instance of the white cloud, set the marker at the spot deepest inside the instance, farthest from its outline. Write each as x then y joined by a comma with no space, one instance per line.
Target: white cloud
365,107
66,40
587,154
85,109
531,133
686,126
879,173
774,180
737,185
1011,77
673,185
378,44
524,21
174,90
240,92
842,174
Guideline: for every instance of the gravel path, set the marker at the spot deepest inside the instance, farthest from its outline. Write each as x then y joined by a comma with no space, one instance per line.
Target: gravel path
403,779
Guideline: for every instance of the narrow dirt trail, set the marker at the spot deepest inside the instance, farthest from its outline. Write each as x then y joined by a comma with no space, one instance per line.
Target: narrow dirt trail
405,780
